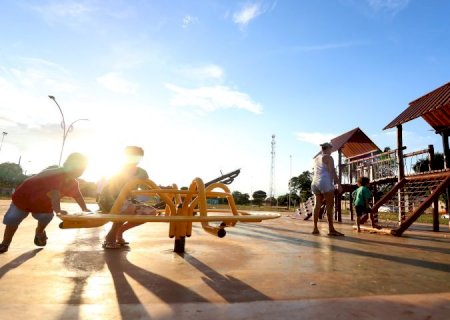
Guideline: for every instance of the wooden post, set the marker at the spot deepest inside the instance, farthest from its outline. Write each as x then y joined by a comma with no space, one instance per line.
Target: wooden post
401,172
446,166
339,195
431,167
350,175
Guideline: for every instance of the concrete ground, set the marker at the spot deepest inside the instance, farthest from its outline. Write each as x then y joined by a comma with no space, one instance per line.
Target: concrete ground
275,269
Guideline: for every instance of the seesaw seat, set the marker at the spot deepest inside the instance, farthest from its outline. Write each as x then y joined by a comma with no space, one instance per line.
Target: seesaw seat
96,219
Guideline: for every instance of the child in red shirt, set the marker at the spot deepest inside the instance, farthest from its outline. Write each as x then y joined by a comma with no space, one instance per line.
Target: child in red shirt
40,195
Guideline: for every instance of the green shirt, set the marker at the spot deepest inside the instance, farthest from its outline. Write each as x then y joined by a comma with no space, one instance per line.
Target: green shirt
114,185
361,195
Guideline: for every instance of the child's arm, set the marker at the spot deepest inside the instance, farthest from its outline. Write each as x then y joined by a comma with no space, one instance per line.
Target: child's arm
82,203
56,204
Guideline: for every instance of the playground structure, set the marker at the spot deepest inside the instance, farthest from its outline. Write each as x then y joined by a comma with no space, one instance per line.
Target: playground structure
180,209
408,191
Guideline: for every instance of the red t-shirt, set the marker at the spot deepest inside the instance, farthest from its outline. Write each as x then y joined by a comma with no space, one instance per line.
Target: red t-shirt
33,195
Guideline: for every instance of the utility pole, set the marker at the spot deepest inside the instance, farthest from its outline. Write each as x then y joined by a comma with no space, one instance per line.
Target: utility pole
290,176
272,171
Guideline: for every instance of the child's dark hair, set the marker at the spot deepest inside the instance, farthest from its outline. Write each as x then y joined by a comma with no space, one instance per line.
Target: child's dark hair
364,181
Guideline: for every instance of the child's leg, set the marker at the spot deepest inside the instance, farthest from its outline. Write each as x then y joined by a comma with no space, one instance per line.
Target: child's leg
112,233
317,206
40,229
12,219
137,209
40,238
358,223
374,221
9,234
126,226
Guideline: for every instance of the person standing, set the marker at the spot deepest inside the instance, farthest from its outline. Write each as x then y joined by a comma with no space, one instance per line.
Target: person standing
323,187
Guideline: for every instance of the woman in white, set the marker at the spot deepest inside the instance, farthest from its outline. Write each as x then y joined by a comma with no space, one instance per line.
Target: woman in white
322,186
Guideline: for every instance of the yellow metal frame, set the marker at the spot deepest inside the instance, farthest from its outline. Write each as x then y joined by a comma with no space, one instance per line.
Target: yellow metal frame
183,207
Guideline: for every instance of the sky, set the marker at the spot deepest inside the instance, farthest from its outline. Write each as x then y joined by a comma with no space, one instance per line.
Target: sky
203,85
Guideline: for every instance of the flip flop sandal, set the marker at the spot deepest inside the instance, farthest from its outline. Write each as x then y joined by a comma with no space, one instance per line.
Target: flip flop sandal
122,243
110,245
336,234
40,239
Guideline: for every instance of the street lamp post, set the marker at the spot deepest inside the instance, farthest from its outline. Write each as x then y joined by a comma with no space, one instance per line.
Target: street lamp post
66,130
4,133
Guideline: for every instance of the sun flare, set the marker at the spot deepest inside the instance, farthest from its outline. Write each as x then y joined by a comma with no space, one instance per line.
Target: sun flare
102,165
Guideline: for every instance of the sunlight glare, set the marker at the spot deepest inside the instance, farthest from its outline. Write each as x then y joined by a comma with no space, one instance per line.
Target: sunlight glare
103,164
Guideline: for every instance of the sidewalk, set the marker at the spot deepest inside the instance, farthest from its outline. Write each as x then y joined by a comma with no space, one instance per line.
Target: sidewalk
275,269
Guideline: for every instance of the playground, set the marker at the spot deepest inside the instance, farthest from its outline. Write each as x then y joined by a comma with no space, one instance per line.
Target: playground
275,269
269,265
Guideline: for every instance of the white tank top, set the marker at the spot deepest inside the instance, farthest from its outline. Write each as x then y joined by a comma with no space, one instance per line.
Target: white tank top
322,179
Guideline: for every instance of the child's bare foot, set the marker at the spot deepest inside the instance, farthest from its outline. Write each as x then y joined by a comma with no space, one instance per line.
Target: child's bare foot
316,231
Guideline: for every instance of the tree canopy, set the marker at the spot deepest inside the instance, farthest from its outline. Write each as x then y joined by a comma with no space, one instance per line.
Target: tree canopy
302,185
11,175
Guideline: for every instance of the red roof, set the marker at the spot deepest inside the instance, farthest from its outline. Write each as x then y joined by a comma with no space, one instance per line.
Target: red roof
434,108
354,143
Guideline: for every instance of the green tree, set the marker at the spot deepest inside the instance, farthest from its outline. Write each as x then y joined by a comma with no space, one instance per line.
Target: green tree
283,199
11,175
259,197
302,185
423,165
241,198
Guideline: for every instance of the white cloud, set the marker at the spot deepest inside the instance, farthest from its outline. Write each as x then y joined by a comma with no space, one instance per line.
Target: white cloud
388,5
67,11
247,13
212,98
315,138
114,82
39,75
188,20
211,71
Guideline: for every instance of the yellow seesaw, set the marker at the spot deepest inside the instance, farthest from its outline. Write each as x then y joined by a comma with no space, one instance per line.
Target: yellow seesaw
182,208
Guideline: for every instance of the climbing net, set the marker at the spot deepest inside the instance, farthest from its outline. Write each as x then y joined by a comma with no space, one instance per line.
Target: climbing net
385,165
403,203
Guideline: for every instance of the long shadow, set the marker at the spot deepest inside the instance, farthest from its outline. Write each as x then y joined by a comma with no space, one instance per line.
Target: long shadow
424,238
115,261
19,261
84,264
166,289
376,255
400,245
230,288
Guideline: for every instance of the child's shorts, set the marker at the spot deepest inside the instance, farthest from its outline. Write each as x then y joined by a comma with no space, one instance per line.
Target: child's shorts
135,207
360,211
14,216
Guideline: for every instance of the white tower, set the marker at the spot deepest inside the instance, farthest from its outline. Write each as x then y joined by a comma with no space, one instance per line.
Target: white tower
272,170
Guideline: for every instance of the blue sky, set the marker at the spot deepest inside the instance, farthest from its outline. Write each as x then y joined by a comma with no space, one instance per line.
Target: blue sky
203,85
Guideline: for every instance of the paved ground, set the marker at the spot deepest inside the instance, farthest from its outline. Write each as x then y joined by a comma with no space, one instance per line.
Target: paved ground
270,270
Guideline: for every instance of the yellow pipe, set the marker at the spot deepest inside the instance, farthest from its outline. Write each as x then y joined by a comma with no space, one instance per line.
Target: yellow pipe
130,185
